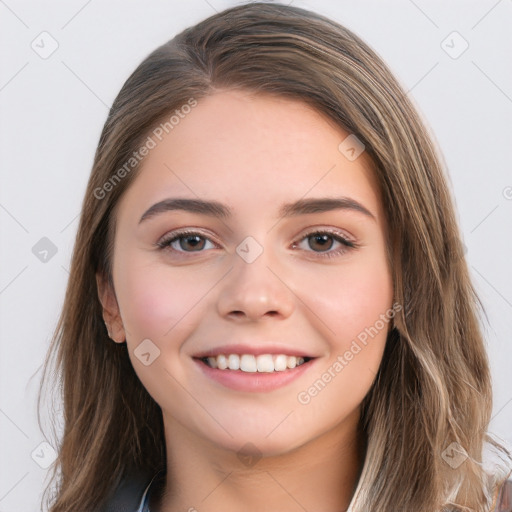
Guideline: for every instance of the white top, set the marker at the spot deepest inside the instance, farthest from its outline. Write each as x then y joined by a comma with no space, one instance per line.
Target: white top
144,502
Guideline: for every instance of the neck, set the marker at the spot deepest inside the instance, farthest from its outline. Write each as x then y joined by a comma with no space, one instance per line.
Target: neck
320,475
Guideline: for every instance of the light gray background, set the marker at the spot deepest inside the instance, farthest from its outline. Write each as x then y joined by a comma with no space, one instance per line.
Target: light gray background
52,111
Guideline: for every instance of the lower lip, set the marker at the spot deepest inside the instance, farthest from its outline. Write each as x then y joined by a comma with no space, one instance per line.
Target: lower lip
254,381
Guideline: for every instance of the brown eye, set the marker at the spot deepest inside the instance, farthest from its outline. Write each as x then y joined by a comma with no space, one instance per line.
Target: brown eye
195,242
184,242
321,242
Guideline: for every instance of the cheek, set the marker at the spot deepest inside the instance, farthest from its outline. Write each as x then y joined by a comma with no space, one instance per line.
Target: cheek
353,310
162,304
154,299
350,299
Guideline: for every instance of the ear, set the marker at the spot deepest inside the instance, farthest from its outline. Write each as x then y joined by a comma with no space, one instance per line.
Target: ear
111,314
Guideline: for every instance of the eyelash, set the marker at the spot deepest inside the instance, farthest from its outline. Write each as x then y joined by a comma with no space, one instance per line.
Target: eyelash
165,242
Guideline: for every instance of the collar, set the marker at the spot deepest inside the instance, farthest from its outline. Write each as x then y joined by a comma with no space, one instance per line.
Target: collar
150,488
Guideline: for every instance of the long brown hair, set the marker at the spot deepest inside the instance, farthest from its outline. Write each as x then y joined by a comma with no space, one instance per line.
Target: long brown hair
433,389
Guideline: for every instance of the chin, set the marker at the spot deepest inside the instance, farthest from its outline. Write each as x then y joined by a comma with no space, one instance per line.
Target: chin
253,443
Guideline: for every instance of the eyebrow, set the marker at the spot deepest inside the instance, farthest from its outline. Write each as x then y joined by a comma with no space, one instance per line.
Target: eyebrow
221,211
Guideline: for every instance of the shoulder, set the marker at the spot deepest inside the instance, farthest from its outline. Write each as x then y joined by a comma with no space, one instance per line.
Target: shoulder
504,501
127,496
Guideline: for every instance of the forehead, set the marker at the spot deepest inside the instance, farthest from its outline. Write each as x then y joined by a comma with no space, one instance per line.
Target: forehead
236,146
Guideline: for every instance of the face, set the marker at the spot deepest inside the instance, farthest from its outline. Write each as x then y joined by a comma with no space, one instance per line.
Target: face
289,260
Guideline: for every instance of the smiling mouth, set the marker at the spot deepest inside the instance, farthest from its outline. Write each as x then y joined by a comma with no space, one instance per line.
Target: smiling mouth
249,363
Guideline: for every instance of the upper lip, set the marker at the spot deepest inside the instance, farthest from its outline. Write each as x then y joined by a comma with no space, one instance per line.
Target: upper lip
252,349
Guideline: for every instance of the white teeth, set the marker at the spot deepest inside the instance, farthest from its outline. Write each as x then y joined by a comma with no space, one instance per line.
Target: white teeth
265,363
280,363
248,363
234,361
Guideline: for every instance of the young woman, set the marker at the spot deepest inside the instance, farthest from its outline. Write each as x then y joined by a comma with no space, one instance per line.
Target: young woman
268,305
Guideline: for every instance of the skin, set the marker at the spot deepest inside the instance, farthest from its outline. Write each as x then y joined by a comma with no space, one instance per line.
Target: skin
253,153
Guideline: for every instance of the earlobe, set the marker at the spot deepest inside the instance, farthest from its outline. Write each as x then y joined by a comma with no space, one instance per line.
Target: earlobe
111,314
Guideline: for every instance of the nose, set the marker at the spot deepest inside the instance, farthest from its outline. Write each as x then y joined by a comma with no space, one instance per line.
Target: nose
252,291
